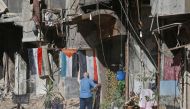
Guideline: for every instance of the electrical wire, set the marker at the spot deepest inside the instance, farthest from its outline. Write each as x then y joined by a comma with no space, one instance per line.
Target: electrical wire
72,4
104,4
157,43
121,55
164,28
138,13
167,27
145,65
137,36
157,22
100,33
156,11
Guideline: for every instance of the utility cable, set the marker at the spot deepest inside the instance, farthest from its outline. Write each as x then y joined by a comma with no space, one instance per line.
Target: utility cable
100,33
145,65
137,36
138,13
104,4
121,55
156,11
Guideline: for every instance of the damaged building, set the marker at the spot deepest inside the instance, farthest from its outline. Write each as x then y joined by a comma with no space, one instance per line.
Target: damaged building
47,45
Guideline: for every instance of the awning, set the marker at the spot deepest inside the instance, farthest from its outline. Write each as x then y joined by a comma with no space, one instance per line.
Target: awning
109,23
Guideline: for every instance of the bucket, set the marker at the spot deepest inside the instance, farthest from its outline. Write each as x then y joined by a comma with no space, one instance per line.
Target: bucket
120,75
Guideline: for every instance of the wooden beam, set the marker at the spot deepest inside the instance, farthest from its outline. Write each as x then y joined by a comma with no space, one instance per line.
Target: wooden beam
127,56
158,73
127,67
174,48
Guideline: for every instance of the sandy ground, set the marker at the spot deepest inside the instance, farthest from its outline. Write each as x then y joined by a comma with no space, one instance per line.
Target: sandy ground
37,103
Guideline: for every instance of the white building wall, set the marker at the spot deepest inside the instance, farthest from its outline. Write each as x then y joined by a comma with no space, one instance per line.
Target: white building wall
169,7
141,69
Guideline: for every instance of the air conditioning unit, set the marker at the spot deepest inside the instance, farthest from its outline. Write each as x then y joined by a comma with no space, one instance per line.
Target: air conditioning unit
52,16
170,7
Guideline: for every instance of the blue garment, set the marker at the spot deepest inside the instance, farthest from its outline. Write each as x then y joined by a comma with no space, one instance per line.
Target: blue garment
85,87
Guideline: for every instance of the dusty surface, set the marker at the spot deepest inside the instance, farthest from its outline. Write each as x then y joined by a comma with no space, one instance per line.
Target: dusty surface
37,103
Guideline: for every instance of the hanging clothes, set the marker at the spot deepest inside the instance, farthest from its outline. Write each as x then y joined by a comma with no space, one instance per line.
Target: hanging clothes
169,88
68,73
171,69
92,67
43,62
88,63
82,62
20,75
69,63
33,69
38,84
8,71
72,62
147,99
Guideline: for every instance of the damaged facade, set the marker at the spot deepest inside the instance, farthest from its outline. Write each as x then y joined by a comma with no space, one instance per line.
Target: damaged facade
172,31
46,43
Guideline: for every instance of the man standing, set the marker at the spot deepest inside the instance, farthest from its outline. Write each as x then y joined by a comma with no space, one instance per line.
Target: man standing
86,86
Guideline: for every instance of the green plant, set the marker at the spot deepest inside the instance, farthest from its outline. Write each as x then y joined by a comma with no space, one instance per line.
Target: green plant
114,91
49,94
110,86
105,105
52,96
119,98
121,87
